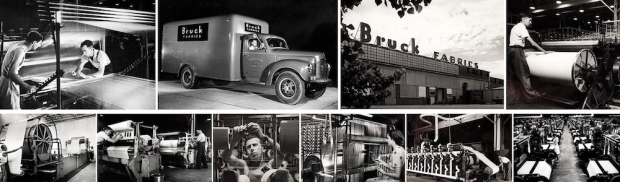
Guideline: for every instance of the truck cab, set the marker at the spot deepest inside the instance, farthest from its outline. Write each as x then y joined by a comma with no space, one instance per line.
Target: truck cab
239,48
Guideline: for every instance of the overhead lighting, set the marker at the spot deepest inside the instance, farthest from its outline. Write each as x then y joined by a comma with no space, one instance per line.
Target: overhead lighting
131,5
117,4
612,6
559,2
581,10
589,22
532,7
596,16
557,14
575,18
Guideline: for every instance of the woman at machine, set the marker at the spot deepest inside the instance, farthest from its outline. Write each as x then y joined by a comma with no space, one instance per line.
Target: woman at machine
394,169
258,162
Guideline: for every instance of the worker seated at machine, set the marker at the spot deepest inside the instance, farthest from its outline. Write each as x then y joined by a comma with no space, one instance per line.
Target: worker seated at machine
259,164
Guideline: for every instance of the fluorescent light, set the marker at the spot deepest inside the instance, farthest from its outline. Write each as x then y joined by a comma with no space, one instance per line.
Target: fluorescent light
558,14
575,18
532,7
581,10
596,16
559,2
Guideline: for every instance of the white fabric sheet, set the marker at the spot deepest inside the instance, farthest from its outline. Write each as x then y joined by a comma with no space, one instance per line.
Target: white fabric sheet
542,169
118,152
14,138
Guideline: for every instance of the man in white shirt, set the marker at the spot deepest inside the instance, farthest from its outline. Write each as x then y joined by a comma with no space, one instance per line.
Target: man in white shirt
201,154
104,135
518,70
97,58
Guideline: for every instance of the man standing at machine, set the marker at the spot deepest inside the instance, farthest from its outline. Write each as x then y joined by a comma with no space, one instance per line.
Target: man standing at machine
98,60
253,147
4,156
518,69
10,82
201,154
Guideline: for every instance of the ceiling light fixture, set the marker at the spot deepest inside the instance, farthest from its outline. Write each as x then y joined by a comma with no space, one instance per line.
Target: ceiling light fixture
558,2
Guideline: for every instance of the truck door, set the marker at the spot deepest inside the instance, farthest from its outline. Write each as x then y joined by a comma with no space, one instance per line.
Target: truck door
254,58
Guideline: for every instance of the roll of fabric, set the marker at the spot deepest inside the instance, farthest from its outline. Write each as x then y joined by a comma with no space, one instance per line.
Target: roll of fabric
561,67
122,126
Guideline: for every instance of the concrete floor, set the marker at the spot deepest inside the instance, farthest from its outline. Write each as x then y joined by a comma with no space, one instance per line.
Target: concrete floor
86,174
236,95
568,167
425,178
188,175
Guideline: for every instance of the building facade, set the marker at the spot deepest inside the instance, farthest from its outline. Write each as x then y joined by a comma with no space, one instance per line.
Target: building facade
428,80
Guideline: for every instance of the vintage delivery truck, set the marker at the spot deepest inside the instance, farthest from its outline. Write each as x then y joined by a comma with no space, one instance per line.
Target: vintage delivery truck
239,48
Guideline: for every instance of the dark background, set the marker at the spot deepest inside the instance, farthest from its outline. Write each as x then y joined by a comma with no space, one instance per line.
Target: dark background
305,25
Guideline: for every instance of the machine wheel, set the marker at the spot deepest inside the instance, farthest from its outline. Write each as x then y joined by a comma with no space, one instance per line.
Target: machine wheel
615,179
316,93
220,82
188,78
289,88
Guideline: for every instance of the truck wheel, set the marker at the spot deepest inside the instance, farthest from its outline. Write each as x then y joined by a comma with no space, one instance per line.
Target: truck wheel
220,82
315,93
290,88
188,78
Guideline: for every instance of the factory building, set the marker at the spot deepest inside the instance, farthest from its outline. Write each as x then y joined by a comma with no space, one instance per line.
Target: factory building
443,79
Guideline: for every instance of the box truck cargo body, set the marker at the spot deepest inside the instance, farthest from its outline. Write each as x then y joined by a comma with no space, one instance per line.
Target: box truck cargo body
239,48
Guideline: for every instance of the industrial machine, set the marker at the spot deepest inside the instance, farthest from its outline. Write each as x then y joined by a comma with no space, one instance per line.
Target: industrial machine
49,68
177,149
43,155
448,161
318,149
584,70
282,129
219,48
136,155
532,166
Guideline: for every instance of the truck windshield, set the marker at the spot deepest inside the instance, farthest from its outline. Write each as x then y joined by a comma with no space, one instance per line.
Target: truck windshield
276,43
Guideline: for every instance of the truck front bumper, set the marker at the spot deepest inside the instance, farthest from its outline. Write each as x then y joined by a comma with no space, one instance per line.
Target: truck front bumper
319,83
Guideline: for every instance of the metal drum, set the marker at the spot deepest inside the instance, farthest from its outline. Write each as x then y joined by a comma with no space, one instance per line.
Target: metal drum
565,68
38,141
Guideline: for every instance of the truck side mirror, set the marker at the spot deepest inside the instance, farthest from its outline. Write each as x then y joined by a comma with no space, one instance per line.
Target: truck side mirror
254,36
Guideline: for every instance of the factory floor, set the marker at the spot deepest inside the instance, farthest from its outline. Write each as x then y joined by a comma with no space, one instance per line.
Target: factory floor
174,174
84,173
425,178
568,168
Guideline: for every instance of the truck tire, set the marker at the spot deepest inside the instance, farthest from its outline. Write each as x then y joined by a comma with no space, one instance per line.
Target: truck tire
188,78
220,82
315,93
290,88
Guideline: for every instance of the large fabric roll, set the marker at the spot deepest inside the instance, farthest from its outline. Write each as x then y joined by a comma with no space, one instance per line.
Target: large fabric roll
122,126
561,67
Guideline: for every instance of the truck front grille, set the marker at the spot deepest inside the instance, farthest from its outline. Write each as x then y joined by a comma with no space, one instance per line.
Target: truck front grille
322,69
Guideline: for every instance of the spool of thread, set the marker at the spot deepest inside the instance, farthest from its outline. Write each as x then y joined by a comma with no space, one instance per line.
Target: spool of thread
221,138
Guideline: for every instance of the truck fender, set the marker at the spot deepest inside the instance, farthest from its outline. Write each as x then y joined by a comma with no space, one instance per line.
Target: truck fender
183,64
300,67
